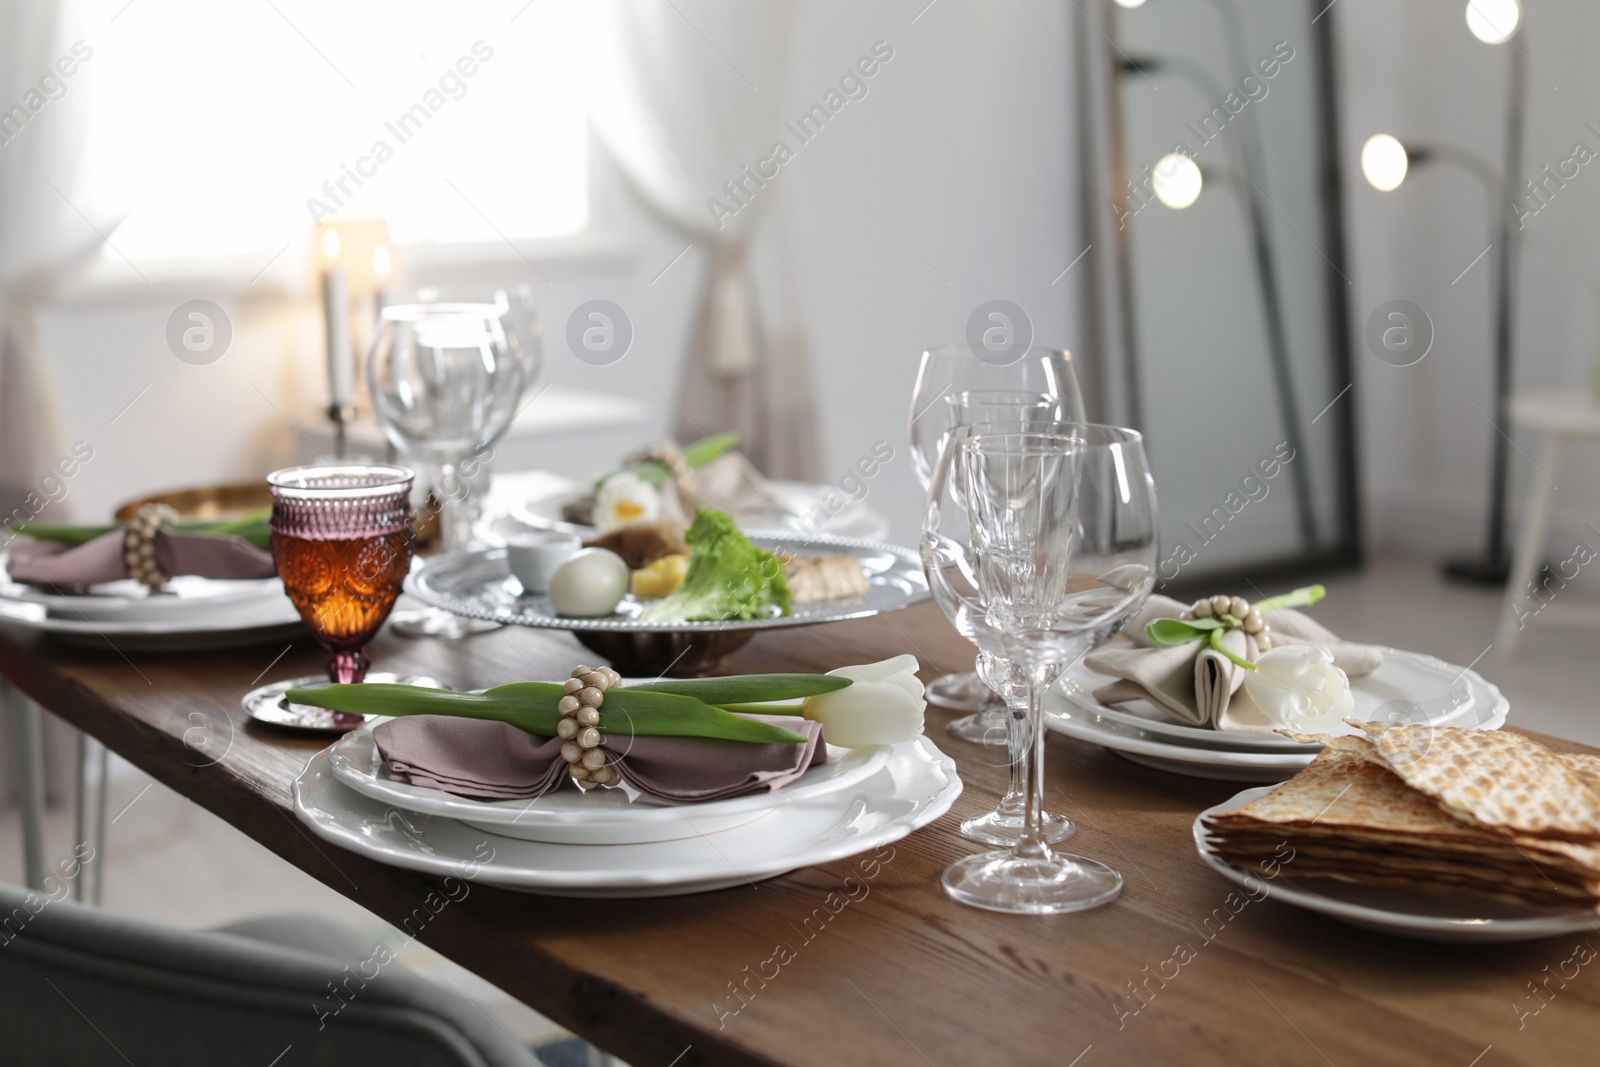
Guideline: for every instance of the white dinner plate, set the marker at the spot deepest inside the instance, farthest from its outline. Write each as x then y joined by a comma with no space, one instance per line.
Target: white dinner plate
916,785
1489,709
1402,912
798,507
609,817
1408,687
225,626
186,596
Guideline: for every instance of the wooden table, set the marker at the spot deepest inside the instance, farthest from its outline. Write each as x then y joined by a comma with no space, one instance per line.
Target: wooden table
897,973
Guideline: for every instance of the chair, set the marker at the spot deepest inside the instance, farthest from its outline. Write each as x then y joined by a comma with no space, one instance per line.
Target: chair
1564,417
84,987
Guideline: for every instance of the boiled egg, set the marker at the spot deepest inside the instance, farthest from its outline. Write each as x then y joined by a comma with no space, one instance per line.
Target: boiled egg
624,499
591,583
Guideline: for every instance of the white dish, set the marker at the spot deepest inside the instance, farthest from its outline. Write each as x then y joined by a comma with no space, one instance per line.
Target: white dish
478,584
186,596
221,627
798,508
610,817
1408,687
1489,709
1405,913
916,785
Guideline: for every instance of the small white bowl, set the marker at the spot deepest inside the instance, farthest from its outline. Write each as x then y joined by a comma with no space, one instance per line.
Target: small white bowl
534,557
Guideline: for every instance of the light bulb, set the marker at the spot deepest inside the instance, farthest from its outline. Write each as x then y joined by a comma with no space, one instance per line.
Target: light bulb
330,243
1130,3
382,262
1493,21
1384,162
1177,180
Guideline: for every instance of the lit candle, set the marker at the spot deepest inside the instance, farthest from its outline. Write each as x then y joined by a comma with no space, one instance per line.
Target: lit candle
341,365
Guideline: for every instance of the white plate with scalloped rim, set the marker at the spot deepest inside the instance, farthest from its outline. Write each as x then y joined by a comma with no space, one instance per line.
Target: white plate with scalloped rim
1404,913
609,817
187,597
1489,710
916,785
1438,691
239,625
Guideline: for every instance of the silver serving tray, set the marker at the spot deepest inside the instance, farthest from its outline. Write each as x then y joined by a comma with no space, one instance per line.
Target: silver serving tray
480,586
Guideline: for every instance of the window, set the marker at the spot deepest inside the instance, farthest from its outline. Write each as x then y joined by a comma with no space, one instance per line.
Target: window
223,129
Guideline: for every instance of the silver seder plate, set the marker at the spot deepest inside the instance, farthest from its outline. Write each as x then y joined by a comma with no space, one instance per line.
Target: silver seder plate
480,586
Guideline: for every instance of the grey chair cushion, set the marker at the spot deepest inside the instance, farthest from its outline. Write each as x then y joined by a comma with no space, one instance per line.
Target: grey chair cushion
85,987
311,934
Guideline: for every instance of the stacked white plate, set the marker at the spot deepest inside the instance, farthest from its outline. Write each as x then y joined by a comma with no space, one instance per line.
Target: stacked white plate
191,614
616,842
1402,912
1408,688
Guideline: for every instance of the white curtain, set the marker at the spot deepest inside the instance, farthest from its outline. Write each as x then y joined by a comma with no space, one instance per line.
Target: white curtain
42,236
689,96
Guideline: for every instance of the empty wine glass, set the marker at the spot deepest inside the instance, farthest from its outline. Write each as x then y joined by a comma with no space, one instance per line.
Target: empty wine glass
955,387
1039,545
447,380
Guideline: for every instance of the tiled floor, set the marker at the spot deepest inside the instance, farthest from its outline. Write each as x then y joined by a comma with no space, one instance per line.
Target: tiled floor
169,860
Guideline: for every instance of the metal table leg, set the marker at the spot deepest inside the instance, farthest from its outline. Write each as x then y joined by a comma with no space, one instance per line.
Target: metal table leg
100,826
81,812
30,785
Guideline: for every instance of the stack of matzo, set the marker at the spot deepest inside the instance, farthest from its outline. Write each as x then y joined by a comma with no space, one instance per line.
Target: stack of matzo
1440,809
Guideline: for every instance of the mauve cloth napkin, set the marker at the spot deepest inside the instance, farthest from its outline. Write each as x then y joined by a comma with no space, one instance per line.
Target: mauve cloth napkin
51,563
1199,686
496,761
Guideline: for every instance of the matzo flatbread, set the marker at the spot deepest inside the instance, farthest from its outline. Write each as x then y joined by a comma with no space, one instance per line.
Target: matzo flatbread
1348,816
1492,778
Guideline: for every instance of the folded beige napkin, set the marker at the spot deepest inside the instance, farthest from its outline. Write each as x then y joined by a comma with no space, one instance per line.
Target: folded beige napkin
1199,686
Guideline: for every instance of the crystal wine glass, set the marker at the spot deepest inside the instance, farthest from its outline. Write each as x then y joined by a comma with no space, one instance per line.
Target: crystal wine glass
341,538
447,380
1039,545
955,386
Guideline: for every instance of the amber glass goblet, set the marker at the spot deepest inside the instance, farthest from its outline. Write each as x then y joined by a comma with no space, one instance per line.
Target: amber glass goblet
342,540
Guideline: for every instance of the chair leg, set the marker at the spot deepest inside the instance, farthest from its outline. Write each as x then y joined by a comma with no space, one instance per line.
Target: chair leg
80,808
30,785
1530,546
100,827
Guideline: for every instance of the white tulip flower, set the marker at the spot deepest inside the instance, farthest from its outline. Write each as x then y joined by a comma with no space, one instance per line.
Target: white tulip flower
882,705
1298,686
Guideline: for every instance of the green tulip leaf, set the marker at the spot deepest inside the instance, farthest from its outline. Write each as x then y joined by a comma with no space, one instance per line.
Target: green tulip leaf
1180,631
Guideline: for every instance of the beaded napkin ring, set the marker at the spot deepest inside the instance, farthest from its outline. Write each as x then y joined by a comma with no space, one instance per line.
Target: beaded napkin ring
1250,620
579,728
139,545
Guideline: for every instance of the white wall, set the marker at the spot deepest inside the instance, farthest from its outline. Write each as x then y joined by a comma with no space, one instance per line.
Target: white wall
1414,70
962,144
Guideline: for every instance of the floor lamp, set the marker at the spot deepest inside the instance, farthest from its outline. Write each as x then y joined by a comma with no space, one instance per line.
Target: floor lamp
1385,161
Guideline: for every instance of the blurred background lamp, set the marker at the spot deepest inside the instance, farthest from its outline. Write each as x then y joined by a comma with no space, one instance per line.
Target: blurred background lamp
1130,3
1493,21
1384,162
1177,180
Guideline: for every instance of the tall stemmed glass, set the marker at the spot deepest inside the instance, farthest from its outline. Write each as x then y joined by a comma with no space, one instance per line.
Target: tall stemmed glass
1002,825
1040,545
446,381
341,538
955,386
